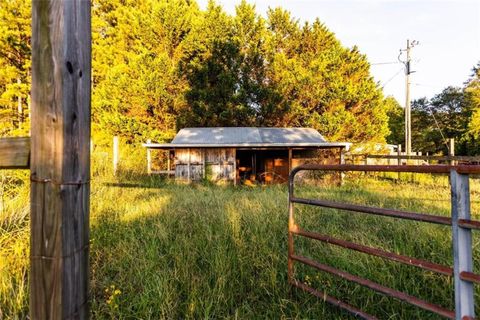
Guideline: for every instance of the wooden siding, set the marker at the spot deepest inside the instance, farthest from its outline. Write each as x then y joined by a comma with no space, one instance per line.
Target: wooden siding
218,164
195,164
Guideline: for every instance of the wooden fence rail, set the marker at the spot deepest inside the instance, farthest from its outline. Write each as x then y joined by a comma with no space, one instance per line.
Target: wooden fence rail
15,153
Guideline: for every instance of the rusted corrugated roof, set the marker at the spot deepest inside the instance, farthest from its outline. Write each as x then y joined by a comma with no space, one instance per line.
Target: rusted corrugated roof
246,137
240,135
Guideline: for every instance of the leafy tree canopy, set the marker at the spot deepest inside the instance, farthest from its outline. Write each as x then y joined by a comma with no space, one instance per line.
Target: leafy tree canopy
160,65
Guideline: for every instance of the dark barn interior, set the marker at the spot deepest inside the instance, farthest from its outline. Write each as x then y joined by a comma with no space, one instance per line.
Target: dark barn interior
265,166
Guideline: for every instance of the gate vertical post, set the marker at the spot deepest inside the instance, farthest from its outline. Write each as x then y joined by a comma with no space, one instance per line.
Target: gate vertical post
291,227
60,159
462,245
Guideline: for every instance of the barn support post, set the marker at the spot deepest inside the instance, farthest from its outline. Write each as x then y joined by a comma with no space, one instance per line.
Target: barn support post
115,155
60,159
234,166
169,165
462,246
290,154
149,158
189,169
204,163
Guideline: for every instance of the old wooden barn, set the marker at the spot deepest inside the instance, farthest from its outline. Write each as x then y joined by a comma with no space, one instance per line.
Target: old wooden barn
246,154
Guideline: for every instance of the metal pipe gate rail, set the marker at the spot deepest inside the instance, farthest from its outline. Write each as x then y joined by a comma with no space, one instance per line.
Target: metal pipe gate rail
462,271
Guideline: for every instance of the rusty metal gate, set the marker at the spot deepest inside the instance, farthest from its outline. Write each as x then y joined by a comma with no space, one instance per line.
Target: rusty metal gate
460,222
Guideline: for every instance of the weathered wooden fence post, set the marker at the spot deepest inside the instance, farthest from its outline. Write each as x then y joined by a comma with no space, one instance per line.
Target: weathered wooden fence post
149,158
115,155
399,161
60,159
451,150
19,106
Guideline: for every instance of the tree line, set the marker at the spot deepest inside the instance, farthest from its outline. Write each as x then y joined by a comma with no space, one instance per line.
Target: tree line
452,113
161,65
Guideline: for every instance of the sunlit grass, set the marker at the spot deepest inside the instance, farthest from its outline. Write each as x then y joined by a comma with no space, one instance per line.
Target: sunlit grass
161,250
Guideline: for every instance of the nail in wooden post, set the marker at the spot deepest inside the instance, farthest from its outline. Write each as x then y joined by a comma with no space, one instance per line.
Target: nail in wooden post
115,155
60,159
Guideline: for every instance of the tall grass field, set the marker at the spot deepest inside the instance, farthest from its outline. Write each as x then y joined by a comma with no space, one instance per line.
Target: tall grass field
161,250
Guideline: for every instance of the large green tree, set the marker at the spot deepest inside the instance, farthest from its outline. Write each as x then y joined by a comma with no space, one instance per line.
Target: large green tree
137,48
434,121
15,34
159,65
472,91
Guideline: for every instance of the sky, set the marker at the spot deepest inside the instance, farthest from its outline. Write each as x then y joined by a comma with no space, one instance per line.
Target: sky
448,32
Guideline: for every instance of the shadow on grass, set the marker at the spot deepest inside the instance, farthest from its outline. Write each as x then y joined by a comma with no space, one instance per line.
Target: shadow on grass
202,251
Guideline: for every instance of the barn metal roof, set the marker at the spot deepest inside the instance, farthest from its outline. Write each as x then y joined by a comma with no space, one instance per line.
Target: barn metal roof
246,137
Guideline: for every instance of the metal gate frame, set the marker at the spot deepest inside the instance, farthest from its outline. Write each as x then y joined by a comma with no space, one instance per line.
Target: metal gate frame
462,271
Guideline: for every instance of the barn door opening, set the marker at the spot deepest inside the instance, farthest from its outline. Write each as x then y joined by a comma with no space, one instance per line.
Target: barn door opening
273,166
262,166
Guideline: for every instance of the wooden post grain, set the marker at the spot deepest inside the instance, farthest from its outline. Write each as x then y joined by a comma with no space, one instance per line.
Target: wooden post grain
60,159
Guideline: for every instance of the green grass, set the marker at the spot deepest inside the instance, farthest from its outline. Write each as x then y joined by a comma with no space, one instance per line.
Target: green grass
166,251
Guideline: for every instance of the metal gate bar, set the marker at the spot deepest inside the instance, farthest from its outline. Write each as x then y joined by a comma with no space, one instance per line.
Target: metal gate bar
464,278
377,287
427,265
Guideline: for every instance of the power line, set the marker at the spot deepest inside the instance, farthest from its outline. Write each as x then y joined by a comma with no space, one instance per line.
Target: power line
393,77
427,85
383,63
438,127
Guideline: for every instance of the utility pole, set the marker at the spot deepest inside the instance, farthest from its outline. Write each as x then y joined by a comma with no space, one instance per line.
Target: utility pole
408,118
